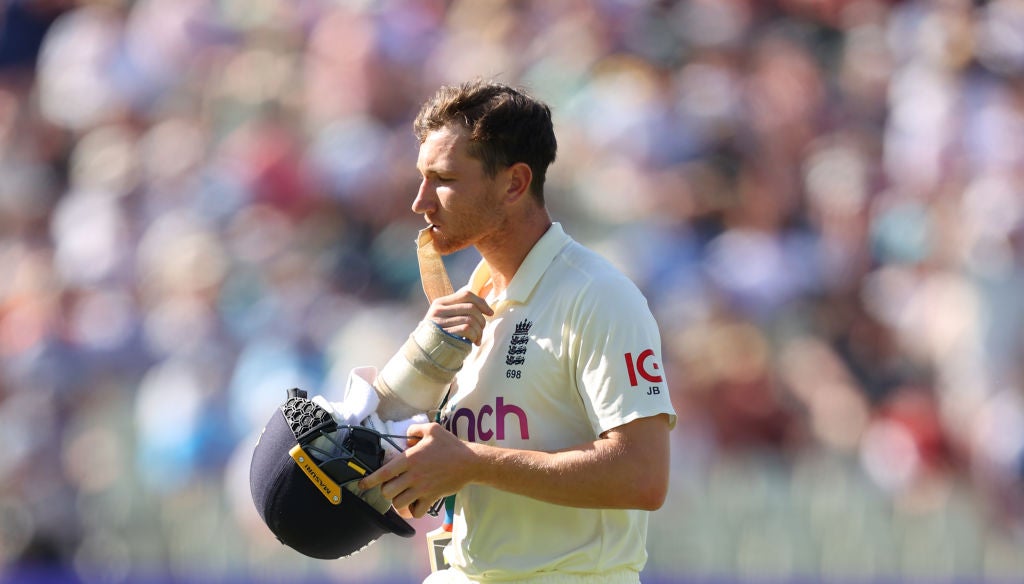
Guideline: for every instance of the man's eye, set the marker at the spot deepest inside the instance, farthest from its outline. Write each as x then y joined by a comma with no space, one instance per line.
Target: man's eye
445,179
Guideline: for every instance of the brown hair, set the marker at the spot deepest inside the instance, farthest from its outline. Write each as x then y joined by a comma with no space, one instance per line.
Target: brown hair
505,126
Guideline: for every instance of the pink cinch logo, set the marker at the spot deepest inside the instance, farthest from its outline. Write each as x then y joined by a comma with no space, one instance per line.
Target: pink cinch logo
489,422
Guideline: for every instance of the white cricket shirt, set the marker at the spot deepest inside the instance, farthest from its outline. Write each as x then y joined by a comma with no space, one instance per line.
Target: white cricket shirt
571,351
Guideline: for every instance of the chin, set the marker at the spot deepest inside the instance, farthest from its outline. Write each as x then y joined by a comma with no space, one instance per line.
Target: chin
445,245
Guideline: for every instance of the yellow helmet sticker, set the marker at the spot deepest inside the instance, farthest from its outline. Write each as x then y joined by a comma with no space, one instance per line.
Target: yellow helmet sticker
324,484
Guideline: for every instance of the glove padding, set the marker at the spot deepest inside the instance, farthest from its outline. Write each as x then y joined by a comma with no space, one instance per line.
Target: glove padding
415,379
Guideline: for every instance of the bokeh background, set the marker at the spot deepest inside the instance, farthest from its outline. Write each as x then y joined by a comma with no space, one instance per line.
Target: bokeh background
205,202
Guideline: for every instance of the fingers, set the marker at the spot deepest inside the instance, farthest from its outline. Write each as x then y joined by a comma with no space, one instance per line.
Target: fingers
463,314
398,464
416,432
463,326
408,507
403,480
476,301
396,486
462,302
407,500
419,508
383,474
416,510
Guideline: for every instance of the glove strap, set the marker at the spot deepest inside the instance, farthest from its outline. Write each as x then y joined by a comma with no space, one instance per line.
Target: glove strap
432,271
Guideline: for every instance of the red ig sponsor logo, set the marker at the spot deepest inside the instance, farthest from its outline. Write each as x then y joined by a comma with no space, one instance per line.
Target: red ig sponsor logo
643,365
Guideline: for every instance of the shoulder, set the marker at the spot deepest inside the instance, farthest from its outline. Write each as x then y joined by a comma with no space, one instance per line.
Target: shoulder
598,282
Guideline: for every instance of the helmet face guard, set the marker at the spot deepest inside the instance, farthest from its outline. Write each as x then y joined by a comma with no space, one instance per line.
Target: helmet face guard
298,476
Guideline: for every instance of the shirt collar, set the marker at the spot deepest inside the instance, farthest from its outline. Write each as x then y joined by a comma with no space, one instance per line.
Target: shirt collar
531,270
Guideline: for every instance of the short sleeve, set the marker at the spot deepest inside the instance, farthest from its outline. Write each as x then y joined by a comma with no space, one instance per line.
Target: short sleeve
616,350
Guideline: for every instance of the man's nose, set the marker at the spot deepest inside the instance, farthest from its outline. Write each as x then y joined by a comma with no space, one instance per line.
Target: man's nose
424,201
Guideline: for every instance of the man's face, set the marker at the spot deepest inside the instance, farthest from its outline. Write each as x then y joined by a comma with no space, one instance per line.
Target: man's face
462,203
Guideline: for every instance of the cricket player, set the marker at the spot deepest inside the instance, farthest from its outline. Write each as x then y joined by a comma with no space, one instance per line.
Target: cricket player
554,435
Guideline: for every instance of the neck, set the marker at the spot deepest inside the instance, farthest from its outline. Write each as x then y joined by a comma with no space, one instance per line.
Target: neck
505,252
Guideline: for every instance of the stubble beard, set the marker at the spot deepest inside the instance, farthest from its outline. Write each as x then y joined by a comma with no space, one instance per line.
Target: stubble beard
446,245
482,228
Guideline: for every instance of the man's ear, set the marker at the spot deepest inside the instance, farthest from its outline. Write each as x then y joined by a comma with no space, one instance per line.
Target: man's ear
520,177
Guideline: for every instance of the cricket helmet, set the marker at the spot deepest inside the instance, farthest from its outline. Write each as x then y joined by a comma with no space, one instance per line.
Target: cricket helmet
302,479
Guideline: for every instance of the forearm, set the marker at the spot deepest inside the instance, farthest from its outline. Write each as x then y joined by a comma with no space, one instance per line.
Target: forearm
625,469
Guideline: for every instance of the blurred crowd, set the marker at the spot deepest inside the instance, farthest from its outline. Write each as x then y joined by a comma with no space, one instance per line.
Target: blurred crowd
204,203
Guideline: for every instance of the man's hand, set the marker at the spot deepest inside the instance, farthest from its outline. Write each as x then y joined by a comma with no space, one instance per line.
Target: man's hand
435,465
462,314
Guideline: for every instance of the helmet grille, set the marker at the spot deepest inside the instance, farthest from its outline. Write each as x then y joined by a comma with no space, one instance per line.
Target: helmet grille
305,417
